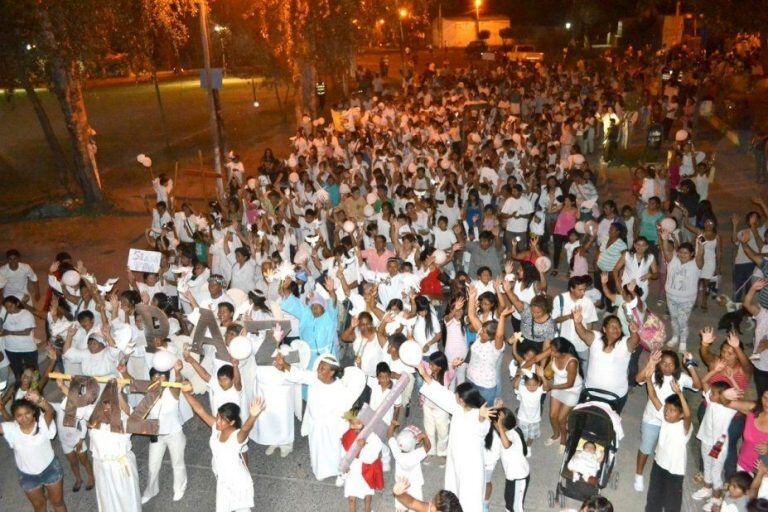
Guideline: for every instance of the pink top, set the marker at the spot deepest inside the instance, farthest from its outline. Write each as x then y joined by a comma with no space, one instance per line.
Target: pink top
377,262
455,340
580,265
748,455
565,222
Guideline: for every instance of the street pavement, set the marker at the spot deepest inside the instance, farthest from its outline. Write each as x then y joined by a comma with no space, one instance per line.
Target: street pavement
288,484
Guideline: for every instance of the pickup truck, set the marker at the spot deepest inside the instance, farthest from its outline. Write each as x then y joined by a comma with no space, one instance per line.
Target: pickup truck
525,53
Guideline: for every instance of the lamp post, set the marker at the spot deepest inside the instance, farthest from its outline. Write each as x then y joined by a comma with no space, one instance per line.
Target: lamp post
221,31
216,134
478,3
402,13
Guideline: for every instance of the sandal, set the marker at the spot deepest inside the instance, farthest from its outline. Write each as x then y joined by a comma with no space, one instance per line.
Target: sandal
698,478
76,487
89,487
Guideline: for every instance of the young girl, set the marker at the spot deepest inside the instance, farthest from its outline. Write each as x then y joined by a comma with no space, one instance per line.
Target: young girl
529,390
365,475
628,216
73,444
234,485
436,420
665,490
31,380
408,456
513,459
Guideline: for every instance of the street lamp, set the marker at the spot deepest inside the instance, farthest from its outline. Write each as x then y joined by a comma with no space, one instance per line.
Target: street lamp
402,14
221,31
478,3
567,25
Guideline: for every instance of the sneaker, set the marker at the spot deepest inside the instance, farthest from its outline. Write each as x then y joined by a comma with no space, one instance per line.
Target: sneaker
702,494
682,348
178,495
145,499
550,441
639,483
672,343
270,450
285,451
340,481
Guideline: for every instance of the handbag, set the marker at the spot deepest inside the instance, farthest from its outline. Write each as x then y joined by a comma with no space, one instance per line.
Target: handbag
652,331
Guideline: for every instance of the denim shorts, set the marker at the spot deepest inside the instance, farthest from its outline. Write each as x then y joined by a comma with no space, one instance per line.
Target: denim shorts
649,436
49,476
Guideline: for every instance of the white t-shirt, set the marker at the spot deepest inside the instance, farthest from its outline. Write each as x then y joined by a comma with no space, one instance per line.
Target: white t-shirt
715,422
16,281
520,206
20,321
654,416
682,280
513,459
420,335
741,256
671,450
166,411
33,452
529,410
564,307
481,370
444,239
608,370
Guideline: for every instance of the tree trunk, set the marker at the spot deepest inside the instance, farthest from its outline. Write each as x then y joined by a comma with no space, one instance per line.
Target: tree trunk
66,85
764,51
304,80
63,167
220,121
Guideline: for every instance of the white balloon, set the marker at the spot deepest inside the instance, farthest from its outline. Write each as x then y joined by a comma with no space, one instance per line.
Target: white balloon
237,295
368,211
140,158
371,198
668,224
293,177
410,353
579,227
543,264
353,379
440,256
147,162
71,278
406,440
348,226
164,360
240,348
322,196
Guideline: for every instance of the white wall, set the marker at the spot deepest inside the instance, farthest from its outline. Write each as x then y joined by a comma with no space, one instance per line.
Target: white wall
458,33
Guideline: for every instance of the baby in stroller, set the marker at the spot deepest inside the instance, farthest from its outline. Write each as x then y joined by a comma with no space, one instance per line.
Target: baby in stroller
585,463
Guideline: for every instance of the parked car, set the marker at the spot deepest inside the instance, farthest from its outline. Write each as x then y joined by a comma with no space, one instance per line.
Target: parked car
476,48
525,53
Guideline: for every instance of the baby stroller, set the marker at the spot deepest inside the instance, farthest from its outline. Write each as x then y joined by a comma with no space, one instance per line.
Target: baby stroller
589,423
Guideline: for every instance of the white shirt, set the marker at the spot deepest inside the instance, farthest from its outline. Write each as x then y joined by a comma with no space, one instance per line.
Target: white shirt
482,363
529,410
513,459
166,411
33,452
715,422
16,281
608,370
682,280
651,414
567,329
378,395
20,321
444,239
408,464
420,335
671,450
100,364
520,206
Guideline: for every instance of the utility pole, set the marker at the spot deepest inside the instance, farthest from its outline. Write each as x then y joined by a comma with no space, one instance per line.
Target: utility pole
216,134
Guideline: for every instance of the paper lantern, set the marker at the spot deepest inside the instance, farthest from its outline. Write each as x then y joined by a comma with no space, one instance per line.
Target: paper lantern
368,211
579,227
240,348
543,264
371,198
406,440
348,226
681,135
440,256
164,360
293,177
668,224
71,278
410,353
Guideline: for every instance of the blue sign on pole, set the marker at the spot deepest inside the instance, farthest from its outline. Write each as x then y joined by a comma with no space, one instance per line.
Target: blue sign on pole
217,77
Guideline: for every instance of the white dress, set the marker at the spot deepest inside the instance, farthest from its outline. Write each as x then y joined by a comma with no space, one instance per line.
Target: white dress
370,353
323,422
465,467
275,425
635,269
234,485
114,469
570,396
710,259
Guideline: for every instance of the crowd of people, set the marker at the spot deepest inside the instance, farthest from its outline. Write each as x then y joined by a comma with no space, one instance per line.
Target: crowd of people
419,239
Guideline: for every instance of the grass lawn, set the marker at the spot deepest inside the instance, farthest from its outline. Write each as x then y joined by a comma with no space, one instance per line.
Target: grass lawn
127,121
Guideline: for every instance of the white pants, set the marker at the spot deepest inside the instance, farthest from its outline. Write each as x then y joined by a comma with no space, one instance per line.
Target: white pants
713,468
679,313
175,443
436,424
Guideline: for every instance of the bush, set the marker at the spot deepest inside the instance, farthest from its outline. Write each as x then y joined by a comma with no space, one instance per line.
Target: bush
484,35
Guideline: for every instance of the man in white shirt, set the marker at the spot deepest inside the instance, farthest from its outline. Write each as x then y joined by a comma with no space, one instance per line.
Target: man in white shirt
517,210
19,279
562,312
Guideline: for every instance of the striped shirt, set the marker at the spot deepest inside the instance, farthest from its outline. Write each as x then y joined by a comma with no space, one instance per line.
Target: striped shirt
610,254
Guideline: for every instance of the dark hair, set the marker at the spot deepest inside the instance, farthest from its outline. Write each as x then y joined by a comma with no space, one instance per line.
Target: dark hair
395,340
579,280
741,479
564,346
596,504
395,303
470,395
606,320
228,306
542,301
244,252
489,296
440,360
258,300
12,299
227,371
758,505
231,412
12,252
658,377
383,367
674,401
446,501
422,304
530,273
24,403
153,372
85,315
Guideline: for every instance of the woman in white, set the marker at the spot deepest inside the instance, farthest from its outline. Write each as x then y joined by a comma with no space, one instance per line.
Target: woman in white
98,360
170,436
17,327
29,435
609,354
327,401
637,265
682,285
367,343
234,485
426,328
465,466
713,255
275,426
114,464
565,389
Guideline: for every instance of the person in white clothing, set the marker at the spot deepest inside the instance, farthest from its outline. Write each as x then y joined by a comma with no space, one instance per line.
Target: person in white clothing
683,272
514,453
529,390
29,435
170,436
464,468
275,426
609,355
234,484
408,456
72,440
562,311
18,279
